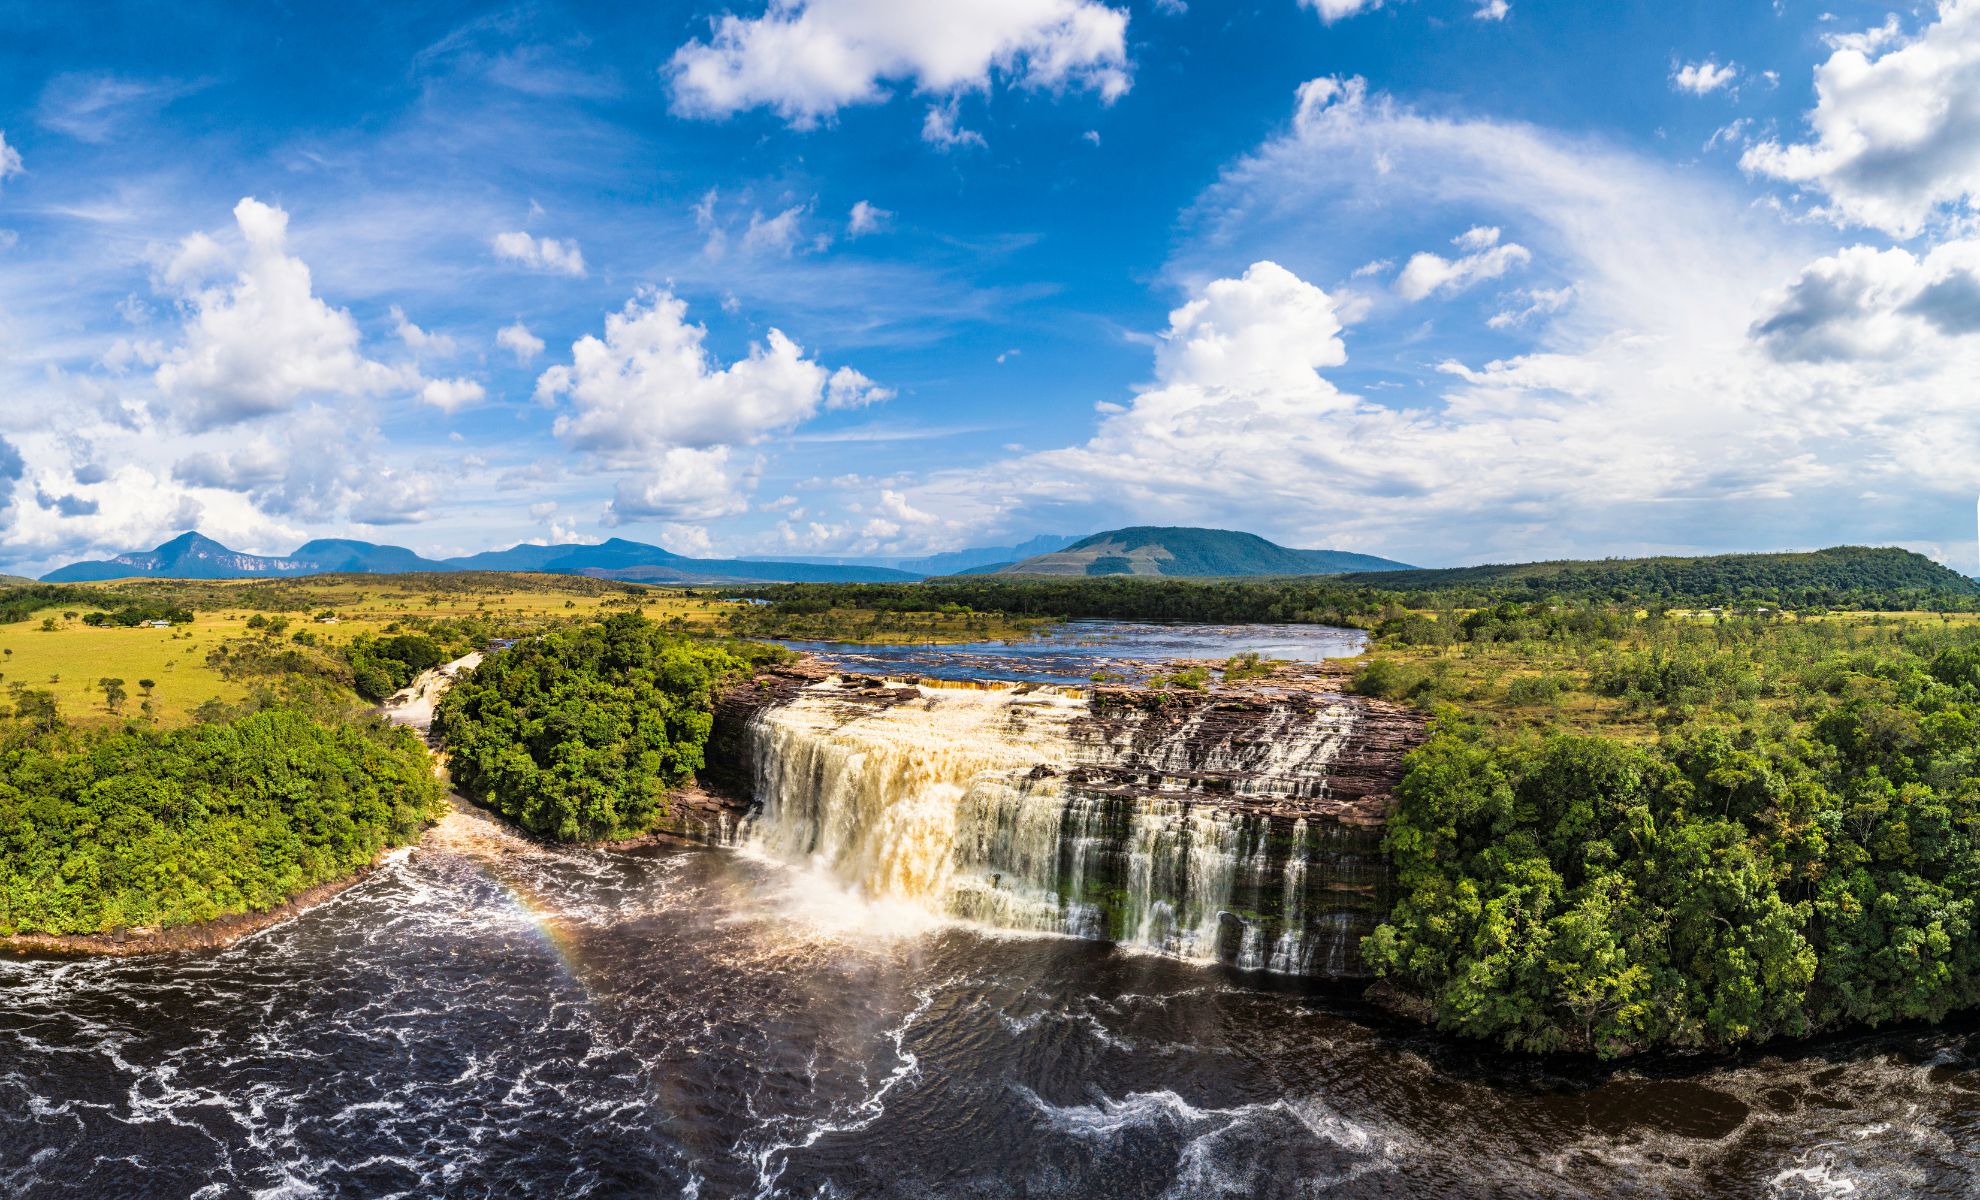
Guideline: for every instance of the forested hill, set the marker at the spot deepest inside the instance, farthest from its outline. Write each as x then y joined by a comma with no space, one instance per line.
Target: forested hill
1841,577
1183,551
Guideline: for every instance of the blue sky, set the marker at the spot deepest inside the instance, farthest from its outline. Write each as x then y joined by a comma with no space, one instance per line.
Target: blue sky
1445,280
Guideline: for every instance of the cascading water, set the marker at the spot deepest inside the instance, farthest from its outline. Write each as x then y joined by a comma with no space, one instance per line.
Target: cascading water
1198,834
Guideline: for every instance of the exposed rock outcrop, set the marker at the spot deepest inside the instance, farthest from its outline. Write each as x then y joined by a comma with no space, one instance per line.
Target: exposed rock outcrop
1240,822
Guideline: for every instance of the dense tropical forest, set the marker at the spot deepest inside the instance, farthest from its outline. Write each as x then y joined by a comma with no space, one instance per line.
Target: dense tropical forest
1846,578
578,734
138,826
1637,830
18,603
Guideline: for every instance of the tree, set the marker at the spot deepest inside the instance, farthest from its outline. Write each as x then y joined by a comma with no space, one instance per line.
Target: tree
140,826
1773,829
578,734
114,694
37,708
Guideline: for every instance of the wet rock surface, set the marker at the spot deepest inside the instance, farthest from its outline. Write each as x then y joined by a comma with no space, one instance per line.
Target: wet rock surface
1239,823
1249,746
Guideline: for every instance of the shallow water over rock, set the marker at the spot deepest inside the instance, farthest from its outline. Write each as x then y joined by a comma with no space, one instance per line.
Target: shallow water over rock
1072,651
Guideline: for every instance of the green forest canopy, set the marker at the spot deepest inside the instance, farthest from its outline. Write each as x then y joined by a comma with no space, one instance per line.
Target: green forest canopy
140,827
578,734
1774,829
1843,578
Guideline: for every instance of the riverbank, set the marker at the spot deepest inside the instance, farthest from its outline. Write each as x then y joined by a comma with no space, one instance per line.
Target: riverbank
412,708
216,934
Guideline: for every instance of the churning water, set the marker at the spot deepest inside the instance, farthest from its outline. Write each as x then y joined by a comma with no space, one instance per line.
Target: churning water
697,1022
488,1017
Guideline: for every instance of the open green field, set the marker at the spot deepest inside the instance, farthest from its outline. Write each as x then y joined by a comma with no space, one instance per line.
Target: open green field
70,658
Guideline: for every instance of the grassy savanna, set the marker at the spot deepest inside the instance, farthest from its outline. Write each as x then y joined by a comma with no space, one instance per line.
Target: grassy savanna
70,660
53,649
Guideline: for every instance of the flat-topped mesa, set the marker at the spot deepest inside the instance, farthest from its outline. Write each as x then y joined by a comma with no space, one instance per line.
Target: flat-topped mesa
1239,824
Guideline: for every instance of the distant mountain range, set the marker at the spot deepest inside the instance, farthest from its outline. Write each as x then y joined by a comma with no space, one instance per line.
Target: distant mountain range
1172,550
195,556
1143,550
950,562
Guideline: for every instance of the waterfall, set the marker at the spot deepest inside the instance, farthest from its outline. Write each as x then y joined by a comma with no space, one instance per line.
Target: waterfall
1287,953
1022,807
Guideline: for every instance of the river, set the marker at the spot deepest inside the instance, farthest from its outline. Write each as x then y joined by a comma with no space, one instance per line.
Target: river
489,1017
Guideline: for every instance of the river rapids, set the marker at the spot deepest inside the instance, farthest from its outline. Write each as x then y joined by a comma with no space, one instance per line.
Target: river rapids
485,1016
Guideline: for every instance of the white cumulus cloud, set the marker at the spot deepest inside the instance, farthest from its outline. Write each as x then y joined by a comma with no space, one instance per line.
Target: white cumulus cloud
542,254
773,234
261,341
866,218
286,469
1484,258
10,159
448,395
1896,125
940,129
807,59
1660,410
1528,303
681,485
519,341
418,340
650,384
1862,303
691,540
1701,78
1335,10
1265,329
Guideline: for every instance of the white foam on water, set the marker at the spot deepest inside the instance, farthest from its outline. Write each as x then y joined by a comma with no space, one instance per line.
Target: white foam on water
773,1158
1820,1179
1215,1157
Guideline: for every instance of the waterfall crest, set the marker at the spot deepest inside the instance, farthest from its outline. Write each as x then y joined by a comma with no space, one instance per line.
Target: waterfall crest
1200,830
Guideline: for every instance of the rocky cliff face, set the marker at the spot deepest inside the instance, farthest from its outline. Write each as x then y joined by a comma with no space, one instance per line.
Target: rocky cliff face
1241,824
